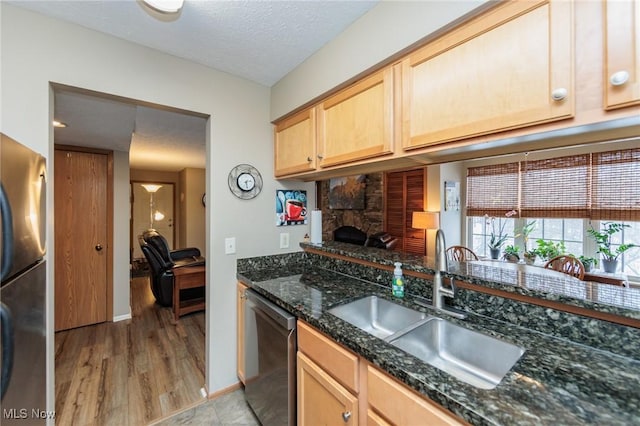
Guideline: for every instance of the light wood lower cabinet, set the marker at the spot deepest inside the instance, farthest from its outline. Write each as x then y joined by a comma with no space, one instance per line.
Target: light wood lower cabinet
622,53
400,405
240,289
321,399
335,387
374,419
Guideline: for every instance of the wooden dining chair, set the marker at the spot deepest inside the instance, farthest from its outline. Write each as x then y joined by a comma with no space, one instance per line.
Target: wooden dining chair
567,264
461,254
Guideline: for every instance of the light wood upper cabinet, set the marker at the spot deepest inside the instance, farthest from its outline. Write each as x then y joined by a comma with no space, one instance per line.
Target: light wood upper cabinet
358,122
622,53
499,72
295,144
321,399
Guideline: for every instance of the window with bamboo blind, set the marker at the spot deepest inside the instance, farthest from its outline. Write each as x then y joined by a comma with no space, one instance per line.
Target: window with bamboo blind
492,190
598,186
555,187
615,187
404,194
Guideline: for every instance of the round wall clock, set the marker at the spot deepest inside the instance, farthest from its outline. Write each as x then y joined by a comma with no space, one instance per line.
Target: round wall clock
245,181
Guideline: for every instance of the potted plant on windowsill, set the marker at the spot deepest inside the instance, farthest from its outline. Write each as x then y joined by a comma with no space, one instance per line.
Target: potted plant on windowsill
588,262
497,239
603,240
548,249
529,255
511,254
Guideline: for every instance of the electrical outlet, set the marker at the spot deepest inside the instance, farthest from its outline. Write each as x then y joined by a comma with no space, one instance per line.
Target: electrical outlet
230,245
284,240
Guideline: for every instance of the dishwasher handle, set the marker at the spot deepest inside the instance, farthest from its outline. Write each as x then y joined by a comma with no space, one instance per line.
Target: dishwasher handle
279,315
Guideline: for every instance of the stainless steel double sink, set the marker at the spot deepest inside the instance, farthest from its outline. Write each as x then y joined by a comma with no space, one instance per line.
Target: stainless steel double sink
470,356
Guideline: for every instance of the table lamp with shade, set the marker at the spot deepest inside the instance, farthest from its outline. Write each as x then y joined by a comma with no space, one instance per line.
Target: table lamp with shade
429,221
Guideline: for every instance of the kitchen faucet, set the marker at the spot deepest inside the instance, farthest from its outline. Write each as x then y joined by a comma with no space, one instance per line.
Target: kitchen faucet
439,291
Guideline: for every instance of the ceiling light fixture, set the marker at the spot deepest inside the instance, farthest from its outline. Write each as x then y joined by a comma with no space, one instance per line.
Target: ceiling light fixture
165,6
59,124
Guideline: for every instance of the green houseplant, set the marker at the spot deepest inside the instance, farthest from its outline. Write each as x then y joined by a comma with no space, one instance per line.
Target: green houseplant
511,253
497,239
588,262
529,255
548,249
603,240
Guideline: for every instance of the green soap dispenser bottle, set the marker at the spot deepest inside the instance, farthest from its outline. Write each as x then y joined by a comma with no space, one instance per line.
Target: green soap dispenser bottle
397,287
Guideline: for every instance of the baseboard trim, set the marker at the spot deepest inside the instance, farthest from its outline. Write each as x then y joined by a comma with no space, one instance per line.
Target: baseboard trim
224,391
122,317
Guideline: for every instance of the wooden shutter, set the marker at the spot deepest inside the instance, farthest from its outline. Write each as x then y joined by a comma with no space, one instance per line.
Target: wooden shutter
404,194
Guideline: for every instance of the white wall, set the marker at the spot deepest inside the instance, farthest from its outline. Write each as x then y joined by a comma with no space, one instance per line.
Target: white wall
37,50
386,29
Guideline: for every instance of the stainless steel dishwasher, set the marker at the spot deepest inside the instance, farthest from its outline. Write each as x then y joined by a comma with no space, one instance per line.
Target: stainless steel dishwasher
270,360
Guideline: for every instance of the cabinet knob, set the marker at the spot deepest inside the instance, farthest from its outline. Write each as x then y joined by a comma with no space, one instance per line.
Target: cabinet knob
559,94
309,159
619,78
320,157
346,416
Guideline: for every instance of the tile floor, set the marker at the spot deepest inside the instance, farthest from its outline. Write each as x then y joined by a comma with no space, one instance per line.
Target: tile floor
229,409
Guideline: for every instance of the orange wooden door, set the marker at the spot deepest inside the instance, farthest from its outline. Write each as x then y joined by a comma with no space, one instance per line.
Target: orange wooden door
80,238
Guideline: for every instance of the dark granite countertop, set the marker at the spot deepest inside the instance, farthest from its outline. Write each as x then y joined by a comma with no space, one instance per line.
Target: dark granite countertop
554,382
532,281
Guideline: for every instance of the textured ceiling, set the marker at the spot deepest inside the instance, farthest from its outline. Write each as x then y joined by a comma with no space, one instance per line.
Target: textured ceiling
260,40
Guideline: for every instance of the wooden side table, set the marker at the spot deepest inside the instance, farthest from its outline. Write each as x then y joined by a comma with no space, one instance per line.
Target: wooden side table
187,277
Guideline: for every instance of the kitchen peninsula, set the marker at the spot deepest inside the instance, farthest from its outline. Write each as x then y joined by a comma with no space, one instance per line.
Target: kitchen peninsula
578,370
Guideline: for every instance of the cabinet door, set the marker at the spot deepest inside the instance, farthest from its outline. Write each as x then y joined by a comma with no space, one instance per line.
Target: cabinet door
501,71
374,419
322,400
295,144
400,406
240,288
622,53
357,123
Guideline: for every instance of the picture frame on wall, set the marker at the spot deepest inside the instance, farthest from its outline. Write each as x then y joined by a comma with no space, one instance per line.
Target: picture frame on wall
291,207
347,192
451,196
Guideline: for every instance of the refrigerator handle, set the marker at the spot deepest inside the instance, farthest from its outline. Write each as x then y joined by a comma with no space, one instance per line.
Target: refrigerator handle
7,234
7,346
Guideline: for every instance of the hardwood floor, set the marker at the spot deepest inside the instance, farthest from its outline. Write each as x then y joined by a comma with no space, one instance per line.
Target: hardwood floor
131,372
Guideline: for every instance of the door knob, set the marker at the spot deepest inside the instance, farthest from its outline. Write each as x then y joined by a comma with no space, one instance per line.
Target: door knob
99,247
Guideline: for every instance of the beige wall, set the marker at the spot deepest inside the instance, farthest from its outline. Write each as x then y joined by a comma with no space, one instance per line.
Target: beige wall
190,204
156,176
388,28
37,50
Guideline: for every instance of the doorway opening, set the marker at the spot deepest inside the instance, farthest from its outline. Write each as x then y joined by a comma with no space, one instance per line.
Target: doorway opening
152,140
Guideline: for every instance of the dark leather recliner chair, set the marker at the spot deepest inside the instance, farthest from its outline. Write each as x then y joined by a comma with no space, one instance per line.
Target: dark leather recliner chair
162,261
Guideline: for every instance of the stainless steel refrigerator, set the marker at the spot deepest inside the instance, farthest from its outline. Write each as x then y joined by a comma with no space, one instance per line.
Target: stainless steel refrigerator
22,294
